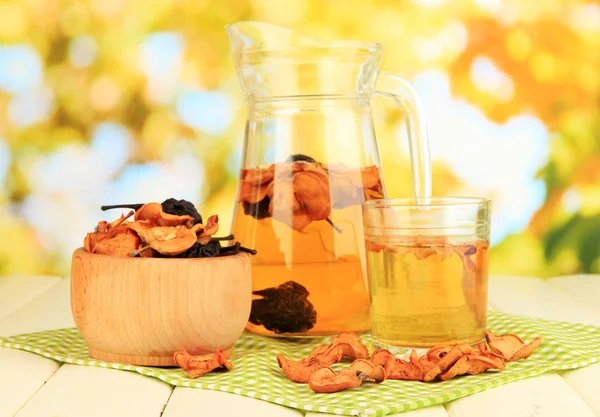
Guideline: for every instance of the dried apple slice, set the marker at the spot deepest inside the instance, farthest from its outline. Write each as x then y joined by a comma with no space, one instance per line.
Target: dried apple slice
526,350
506,345
468,364
168,240
299,371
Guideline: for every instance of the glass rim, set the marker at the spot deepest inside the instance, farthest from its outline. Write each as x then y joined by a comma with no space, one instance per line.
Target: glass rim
429,202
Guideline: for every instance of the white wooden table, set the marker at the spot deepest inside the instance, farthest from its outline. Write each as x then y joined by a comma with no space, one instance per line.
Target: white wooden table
33,386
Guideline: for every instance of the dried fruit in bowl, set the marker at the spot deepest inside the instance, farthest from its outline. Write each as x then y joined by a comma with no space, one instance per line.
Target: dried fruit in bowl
169,229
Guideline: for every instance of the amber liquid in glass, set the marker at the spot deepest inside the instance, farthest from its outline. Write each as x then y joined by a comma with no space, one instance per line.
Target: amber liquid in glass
327,257
428,294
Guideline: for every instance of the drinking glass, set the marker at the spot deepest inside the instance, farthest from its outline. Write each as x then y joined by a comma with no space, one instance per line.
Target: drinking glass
427,263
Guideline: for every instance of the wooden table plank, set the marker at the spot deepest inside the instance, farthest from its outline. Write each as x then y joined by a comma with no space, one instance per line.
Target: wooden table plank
433,411
539,396
537,298
50,310
546,395
16,291
76,391
192,402
541,299
21,375
586,382
583,288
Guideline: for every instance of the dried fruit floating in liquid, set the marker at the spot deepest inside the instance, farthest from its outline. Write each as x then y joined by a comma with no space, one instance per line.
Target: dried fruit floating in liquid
298,190
283,309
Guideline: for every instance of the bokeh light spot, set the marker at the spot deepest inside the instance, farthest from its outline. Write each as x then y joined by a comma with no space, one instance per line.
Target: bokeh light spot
518,44
30,107
160,60
104,93
543,66
82,51
13,21
489,78
211,112
20,68
4,160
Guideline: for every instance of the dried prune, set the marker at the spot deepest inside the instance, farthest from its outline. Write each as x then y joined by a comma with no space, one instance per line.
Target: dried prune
181,207
301,157
197,250
258,210
284,309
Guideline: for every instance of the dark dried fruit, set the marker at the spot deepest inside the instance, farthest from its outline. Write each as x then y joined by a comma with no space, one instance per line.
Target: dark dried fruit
181,207
283,309
300,157
258,210
210,250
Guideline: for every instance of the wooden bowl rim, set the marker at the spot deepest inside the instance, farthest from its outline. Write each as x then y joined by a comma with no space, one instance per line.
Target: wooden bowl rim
82,252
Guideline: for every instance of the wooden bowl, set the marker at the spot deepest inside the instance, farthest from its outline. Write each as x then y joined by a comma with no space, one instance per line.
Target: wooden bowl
141,310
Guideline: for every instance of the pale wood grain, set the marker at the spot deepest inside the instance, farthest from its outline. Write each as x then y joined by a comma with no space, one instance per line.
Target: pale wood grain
21,375
48,311
586,382
84,391
16,291
433,411
191,402
583,288
535,297
141,310
532,396
546,395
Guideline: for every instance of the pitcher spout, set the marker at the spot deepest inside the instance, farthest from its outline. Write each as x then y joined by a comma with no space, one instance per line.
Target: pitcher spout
274,61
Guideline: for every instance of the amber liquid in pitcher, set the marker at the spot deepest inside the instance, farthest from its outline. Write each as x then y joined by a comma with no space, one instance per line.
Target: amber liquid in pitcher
428,294
327,257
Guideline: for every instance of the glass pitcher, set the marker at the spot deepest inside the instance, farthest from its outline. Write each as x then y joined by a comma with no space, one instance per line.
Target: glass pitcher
310,159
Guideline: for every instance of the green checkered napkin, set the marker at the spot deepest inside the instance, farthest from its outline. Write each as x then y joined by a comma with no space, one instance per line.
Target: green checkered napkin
256,373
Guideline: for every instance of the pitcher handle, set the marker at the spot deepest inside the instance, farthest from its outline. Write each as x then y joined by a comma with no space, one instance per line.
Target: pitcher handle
392,86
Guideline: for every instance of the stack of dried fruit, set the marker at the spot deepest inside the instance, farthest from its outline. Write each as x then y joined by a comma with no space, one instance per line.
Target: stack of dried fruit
441,362
172,228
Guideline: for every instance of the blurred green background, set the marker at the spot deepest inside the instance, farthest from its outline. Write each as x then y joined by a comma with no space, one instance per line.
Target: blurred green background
108,101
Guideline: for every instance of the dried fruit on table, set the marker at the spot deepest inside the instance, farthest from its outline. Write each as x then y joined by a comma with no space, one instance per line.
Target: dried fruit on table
348,345
327,354
526,350
469,364
299,371
375,372
484,350
509,344
447,361
325,380
397,368
196,366
283,309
